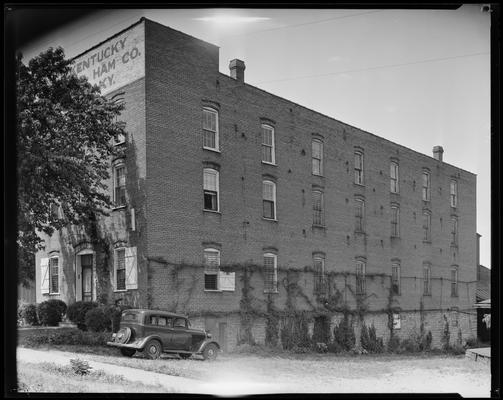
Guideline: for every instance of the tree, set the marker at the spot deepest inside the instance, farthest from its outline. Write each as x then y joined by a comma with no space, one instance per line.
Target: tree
65,132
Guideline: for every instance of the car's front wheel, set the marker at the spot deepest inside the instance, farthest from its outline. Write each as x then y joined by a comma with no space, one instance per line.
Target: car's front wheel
153,349
210,352
127,352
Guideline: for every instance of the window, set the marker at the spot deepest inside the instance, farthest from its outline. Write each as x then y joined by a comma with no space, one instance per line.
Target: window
54,274
210,129
318,208
210,183
317,153
120,269
269,199
395,279
426,186
268,152
359,215
454,193
426,280
180,323
270,273
395,221
319,275
211,268
394,177
360,277
426,226
120,185
454,282
454,231
359,167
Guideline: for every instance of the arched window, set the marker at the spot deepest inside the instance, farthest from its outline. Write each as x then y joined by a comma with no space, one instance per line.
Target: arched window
318,214
211,189
210,129
268,150
269,199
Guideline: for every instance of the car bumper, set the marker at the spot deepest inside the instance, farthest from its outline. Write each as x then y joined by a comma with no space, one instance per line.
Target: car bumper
134,345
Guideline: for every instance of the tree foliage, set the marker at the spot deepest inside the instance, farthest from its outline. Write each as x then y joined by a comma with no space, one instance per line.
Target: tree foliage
65,131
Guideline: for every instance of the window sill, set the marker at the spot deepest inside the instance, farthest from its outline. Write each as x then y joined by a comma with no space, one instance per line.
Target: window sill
119,208
394,237
359,184
213,290
361,233
212,149
427,295
270,219
318,226
319,175
395,193
212,211
426,241
52,294
269,163
271,291
120,291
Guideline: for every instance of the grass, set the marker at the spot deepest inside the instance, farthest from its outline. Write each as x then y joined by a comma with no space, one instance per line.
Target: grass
52,378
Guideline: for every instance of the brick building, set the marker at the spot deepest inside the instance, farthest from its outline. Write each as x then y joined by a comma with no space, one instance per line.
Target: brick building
243,209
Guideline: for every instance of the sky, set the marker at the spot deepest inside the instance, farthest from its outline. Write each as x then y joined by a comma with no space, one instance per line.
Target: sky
419,78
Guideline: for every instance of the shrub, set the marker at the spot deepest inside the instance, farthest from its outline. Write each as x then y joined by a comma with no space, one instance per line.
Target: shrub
97,320
294,332
77,312
446,336
344,335
321,347
28,313
51,312
471,342
394,344
80,367
64,337
369,340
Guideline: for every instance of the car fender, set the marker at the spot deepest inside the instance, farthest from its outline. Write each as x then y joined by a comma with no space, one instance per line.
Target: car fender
143,341
205,343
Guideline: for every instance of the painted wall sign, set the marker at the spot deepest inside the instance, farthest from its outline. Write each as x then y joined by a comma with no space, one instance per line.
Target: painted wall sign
227,280
116,62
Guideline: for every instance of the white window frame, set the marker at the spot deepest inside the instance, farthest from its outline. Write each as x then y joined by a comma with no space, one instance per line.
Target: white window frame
454,281
359,175
454,193
273,184
217,174
318,160
426,226
272,146
320,280
50,275
321,211
395,225
116,264
207,272
360,290
360,226
275,274
426,186
394,177
454,231
426,280
215,132
116,186
396,266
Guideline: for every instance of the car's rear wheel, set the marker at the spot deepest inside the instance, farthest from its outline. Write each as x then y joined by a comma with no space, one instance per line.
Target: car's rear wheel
210,352
153,349
127,352
184,356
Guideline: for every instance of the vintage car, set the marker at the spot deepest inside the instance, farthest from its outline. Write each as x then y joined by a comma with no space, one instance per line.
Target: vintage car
154,332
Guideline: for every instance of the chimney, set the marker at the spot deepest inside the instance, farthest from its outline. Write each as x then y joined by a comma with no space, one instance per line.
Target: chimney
438,153
237,68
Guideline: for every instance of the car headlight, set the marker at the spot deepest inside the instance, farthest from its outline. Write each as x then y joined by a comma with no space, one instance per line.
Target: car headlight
208,335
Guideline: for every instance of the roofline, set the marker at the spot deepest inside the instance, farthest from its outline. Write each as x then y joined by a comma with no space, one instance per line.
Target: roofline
355,127
110,37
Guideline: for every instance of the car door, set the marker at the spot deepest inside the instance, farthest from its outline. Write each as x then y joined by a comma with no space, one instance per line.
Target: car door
159,325
180,337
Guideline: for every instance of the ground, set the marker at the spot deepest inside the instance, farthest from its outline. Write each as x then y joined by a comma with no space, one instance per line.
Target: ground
313,373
